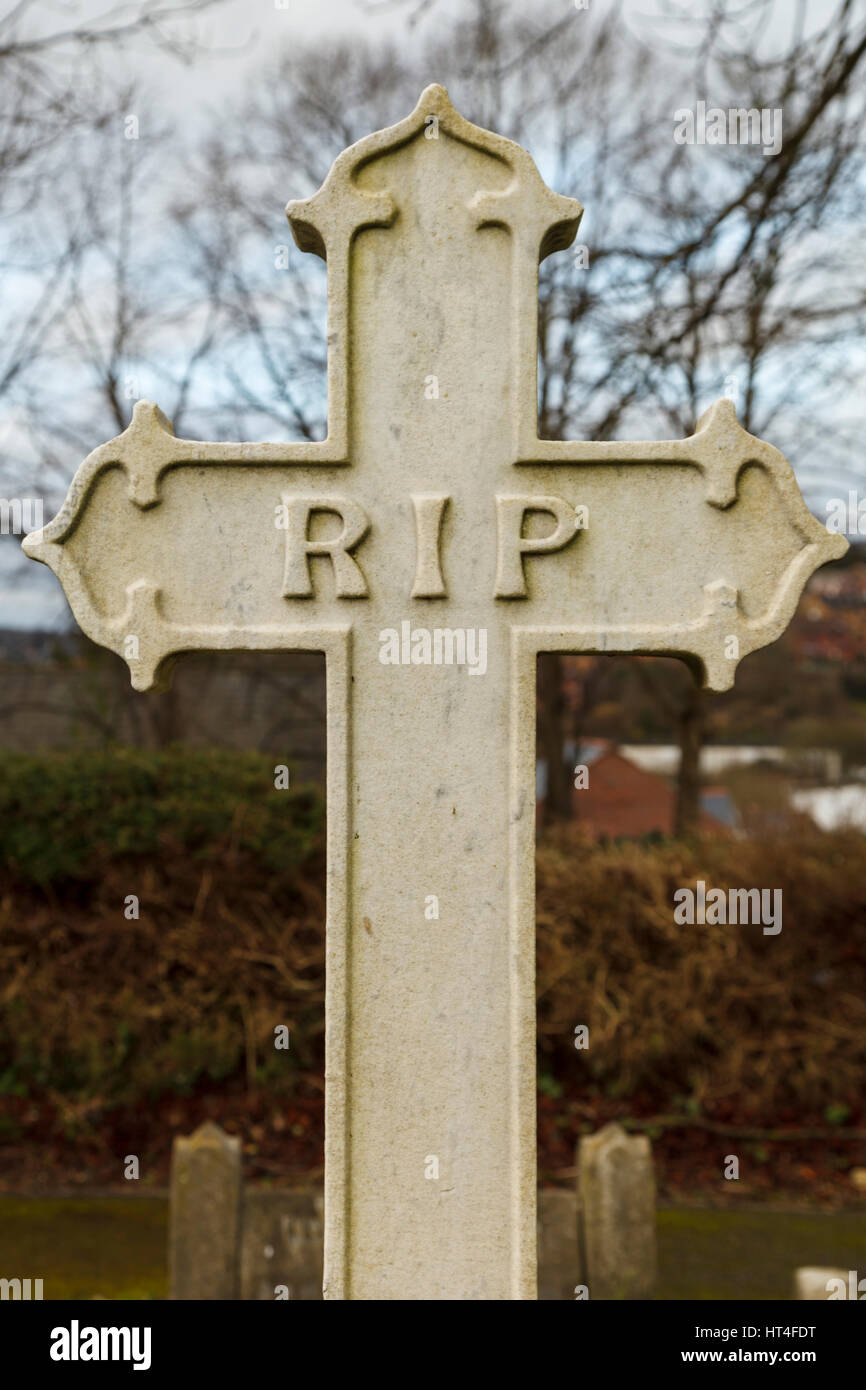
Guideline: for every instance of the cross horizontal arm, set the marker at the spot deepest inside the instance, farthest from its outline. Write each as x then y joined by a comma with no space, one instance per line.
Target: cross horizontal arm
731,624
148,446
719,447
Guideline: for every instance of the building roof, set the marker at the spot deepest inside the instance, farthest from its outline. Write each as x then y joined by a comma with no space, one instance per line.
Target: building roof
623,800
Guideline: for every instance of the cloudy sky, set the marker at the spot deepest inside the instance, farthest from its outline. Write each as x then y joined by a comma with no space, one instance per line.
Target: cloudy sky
232,36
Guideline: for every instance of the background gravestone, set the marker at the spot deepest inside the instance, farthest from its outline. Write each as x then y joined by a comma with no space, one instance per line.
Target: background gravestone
810,1282
616,1214
559,1267
281,1244
205,1217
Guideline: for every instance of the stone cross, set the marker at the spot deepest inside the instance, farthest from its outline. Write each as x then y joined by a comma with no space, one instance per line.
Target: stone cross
431,546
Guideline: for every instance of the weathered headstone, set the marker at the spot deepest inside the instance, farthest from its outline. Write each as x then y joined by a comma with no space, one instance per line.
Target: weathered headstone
281,1245
431,546
205,1215
815,1285
559,1267
616,1214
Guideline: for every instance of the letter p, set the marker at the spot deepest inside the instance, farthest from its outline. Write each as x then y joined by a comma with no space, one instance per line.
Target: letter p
512,545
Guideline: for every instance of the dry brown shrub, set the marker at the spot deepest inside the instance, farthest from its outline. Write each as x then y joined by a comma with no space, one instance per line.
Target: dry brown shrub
722,1016
721,1020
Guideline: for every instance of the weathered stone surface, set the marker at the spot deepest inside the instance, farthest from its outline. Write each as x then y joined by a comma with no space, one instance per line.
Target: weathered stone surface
433,506
616,1214
204,1227
559,1269
811,1281
281,1245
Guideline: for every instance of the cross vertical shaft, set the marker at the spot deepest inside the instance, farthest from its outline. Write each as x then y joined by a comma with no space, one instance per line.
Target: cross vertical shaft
440,1162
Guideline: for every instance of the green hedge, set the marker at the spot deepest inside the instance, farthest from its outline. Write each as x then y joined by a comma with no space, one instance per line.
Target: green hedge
62,816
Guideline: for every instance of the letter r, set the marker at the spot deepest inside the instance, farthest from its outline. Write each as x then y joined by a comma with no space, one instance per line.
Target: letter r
349,580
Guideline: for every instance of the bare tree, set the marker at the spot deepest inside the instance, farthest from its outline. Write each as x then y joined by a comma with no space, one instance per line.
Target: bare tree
700,269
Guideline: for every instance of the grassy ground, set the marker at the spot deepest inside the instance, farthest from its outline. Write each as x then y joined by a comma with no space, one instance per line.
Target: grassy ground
752,1254
105,1247
115,1248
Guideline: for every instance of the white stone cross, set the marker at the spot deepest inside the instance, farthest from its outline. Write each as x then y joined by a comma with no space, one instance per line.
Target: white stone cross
431,546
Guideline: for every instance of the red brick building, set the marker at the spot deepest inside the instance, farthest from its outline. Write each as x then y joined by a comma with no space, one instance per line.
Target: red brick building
624,800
